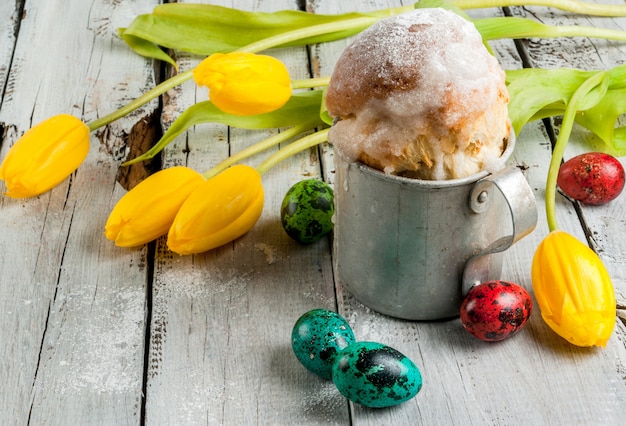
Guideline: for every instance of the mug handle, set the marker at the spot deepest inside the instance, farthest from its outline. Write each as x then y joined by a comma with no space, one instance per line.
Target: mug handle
512,184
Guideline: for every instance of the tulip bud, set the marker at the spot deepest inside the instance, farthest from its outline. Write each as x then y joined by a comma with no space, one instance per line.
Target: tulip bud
222,209
44,156
243,83
573,290
147,211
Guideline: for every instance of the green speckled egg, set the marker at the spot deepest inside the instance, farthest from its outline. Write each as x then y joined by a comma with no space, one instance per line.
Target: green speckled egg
317,337
376,375
307,210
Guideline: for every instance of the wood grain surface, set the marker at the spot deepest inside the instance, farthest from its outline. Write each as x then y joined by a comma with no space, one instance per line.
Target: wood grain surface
95,334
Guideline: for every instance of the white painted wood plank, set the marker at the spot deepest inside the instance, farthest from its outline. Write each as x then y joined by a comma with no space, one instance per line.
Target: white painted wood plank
220,346
72,328
10,19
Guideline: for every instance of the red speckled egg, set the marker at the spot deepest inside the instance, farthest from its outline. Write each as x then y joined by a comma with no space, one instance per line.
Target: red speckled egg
593,178
495,310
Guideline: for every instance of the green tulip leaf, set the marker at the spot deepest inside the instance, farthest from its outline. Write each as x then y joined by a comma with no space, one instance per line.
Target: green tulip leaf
302,107
324,114
537,93
145,48
603,118
204,29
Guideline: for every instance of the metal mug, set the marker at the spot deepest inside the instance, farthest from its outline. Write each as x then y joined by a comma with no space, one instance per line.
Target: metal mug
412,248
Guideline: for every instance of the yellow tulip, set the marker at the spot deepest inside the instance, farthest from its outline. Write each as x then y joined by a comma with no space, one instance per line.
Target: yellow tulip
573,290
147,211
222,209
243,83
44,156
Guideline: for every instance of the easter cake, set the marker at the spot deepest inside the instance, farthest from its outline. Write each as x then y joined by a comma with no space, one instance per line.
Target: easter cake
419,95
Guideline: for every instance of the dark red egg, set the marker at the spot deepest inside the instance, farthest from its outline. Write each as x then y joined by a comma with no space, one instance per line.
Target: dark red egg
592,178
495,310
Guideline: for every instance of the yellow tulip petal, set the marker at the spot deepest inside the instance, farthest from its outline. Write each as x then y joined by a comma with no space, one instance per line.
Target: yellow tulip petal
217,212
250,98
242,83
573,290
147,211
44,156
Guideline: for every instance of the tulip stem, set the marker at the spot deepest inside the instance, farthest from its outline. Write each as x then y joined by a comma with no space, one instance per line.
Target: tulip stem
312,31
260,147
567,5
359,23
575,104
141,100
310,83
295,147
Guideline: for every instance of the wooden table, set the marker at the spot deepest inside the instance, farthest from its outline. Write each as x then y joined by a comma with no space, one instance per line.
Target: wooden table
95,334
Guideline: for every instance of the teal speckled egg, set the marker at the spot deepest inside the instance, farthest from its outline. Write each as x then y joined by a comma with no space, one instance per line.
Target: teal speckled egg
307,210
317,337
376,375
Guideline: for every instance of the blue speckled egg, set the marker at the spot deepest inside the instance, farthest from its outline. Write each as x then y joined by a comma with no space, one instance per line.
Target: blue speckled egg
317,337
376,375
307,210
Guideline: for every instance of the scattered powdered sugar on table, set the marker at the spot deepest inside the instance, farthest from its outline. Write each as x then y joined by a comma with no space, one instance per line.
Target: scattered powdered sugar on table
319,401
103,354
